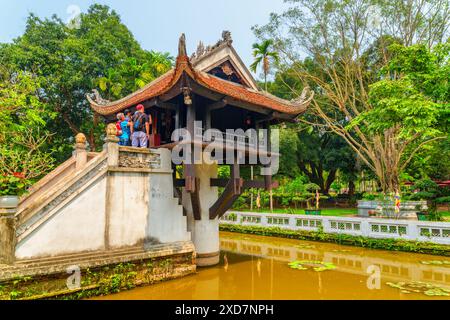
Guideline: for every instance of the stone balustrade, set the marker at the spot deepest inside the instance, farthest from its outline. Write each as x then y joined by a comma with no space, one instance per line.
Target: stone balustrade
426,231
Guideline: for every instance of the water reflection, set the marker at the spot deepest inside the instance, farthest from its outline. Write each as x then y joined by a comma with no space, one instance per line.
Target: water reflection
255,267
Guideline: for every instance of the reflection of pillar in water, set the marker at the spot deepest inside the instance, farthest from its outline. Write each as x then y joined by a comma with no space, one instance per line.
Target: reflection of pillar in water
225,262
320,282
207,285
271,278
258,267
253,281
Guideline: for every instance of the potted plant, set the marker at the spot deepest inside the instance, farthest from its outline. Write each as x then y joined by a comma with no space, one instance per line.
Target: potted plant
313,210
421,213
11,188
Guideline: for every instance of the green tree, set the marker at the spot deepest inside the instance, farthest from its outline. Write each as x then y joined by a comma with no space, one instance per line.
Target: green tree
24,147
264,55
311,149
71,62
337,36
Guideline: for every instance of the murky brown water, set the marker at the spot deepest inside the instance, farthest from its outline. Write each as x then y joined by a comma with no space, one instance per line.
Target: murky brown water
256,267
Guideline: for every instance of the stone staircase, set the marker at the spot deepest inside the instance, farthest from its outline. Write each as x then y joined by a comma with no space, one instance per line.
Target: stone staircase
60,264
44,191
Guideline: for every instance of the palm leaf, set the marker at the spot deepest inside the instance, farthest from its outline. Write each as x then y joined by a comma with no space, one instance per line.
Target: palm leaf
255,64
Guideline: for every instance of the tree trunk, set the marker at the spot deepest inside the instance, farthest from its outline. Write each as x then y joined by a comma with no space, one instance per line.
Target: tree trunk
351,188
330,179
265,81
92,143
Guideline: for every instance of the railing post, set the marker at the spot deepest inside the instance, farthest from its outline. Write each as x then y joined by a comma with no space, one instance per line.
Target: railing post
8,231
326,225
412,231
80,152
365,228
111,145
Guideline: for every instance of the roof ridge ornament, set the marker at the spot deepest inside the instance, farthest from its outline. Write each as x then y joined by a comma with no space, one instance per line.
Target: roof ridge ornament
202,50
303,96
182,46
226,37
97,98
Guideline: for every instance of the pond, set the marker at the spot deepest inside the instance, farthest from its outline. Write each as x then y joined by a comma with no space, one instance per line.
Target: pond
257,267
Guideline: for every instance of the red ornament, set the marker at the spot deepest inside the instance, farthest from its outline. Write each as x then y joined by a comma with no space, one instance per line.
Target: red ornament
19,175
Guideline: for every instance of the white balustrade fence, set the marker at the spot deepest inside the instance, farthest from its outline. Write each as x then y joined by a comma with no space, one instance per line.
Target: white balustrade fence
427,231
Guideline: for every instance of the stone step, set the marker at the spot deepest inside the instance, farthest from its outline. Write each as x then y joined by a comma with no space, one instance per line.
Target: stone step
40,262
98,259
76,256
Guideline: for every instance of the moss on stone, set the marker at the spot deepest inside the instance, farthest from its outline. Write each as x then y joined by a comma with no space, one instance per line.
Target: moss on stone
98,281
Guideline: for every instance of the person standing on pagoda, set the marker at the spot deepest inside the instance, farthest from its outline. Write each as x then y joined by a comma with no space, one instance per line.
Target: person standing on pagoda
123,130
140,129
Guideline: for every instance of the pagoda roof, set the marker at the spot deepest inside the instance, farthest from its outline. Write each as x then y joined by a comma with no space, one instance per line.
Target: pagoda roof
233,93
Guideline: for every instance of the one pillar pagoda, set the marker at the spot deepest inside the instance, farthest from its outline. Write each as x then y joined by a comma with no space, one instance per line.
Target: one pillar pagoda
212,89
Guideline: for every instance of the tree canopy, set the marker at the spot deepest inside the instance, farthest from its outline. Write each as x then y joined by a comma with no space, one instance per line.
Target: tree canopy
380,73
69,62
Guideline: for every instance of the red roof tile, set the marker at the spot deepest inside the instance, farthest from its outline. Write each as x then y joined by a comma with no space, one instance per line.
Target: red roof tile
168,80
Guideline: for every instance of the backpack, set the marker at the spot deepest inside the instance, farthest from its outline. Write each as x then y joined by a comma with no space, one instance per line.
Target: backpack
119,129
137,124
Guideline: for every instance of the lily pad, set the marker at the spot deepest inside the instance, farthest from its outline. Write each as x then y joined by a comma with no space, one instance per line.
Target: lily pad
428,289
317,266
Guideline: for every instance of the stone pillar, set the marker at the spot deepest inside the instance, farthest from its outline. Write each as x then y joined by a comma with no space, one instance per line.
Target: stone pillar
111,145
204,232
7,233
80,153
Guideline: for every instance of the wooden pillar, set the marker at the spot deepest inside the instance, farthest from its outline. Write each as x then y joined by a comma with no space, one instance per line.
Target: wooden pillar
268,178
177,117
189,167
207,119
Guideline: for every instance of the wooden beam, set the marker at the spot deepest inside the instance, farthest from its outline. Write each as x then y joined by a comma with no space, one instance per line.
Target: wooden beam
166,105
217,105
232,191
202,91
265,119
173,92
150,102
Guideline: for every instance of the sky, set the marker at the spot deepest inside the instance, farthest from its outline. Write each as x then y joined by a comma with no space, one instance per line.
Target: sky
157,24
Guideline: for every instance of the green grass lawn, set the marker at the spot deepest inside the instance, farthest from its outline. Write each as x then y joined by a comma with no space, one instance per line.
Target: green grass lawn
325,212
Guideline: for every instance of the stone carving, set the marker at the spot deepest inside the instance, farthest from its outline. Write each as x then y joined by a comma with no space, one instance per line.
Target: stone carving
227,69
182,46
139,160
111,133
61,197
111,130
80,138
98,98
201,50
303,97
80,141
187,97
226,37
